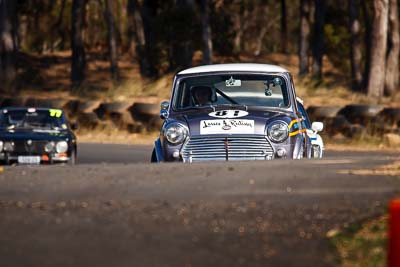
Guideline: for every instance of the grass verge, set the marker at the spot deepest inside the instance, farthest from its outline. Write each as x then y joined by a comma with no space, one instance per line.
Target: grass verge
362,245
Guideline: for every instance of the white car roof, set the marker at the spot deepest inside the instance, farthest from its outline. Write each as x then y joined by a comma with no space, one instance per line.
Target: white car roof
251,67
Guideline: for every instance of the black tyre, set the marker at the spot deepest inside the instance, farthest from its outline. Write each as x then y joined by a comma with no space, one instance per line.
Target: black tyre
72,158
139,110
321,113
391,115
87,106
117,106
360,113
316,152
153,156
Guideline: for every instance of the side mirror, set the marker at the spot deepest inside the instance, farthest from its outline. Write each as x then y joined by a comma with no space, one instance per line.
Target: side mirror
317,126
164,110
74,126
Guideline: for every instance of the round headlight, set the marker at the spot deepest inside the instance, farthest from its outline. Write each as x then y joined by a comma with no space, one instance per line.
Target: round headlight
8,146
49,147
278,131
1,146
175,133
62,147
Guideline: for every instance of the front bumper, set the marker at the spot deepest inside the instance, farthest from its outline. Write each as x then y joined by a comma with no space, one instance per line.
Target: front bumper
46,158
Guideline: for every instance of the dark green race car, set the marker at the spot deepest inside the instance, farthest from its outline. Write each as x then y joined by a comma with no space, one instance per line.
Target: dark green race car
35,136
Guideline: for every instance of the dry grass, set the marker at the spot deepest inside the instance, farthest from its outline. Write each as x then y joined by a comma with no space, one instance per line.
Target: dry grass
392,169
362,245
358,143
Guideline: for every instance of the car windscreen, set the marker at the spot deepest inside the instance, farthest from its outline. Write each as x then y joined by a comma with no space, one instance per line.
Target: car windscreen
17,119
237,89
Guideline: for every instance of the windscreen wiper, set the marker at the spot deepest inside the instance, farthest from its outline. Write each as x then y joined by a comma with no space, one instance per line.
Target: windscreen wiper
199,107
234,105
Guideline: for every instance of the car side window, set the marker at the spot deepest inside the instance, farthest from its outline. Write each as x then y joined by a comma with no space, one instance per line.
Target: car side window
304,115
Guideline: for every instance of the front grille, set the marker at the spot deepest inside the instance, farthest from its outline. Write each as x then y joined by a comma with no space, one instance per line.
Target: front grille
36,147
227,147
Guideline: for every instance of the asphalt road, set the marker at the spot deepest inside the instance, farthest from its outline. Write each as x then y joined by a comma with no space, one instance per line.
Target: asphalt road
127,213
89,153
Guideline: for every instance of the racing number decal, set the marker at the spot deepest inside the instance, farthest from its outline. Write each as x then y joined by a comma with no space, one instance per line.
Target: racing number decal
221,113
55,113
228,114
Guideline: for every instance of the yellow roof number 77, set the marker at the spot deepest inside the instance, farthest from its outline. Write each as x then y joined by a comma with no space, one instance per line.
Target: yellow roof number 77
55,113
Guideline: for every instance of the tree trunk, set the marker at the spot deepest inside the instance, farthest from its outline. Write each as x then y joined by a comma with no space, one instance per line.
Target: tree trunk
259,40
392,64
305,8
284,30
206,32
136,37
112,43
237,26
318,40
78,62
367,40
355,45
180,41
57,29
8,45
147,56
376,79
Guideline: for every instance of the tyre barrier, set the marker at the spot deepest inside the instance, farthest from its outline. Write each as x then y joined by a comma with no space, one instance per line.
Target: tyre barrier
86,106
319,113
360,113
148,114
122,119
145,109
349,120
88,120
115,107
104,110
391,116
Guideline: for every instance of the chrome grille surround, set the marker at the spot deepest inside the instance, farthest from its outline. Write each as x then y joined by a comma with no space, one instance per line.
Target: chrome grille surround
36,147
240,147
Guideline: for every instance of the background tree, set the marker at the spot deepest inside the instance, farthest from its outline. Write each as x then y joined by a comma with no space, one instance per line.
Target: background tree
355,45
366,7
284,28
149,59
8,44
376,79
163,36
78,59
305,8
180,31
112,43
318,39
206,32
392,64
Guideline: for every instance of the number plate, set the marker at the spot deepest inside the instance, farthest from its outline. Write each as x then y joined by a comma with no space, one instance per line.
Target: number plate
28,159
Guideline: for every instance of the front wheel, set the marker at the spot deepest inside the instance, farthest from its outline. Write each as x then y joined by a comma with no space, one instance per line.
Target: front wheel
72,158
316,152
153,156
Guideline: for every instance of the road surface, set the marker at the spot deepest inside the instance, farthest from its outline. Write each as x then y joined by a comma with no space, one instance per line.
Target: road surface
115,209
